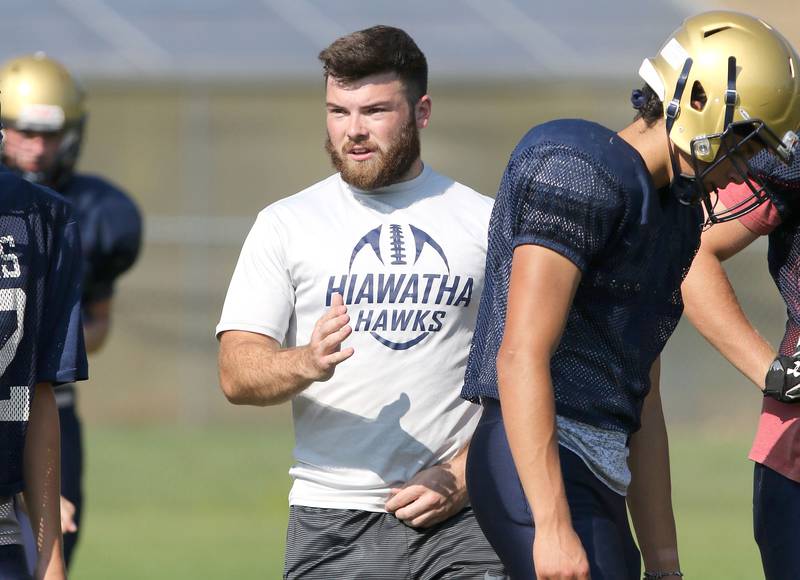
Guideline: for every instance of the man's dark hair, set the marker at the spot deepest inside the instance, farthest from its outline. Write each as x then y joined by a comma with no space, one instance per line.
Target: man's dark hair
376,50
648,106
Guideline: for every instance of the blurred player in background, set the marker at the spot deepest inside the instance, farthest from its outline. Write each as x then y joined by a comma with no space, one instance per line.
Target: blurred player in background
42,345
44,116
355,299
712,307
591,236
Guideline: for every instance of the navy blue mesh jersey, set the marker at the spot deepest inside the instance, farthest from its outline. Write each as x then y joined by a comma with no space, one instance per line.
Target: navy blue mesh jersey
41,339
578,189
783,182
111,232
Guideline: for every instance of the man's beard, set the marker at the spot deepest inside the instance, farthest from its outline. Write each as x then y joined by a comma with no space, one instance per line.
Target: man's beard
385,167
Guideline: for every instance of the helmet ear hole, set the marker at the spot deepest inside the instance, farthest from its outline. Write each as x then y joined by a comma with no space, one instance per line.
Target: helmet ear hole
699,98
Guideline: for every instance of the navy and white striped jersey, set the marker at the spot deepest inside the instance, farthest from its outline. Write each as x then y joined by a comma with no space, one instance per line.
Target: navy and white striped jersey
578,189
41,339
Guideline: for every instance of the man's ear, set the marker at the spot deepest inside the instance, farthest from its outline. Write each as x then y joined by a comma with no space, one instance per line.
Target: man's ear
422,111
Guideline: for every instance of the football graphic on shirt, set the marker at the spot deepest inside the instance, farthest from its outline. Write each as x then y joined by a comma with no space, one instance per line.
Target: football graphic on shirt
397,246
399,287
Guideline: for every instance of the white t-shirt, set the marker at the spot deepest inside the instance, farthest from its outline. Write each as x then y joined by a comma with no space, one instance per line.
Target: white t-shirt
409,261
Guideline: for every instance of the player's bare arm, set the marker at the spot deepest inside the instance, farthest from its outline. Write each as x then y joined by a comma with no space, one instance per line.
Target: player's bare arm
541,290
255,370
96,323
42,476
432,495
712,307
650,492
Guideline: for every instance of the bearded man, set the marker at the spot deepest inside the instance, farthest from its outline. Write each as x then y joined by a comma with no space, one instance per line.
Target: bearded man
355,299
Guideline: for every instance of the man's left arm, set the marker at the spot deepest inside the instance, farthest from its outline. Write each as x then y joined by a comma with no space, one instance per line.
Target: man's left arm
433,495
712,307
650,492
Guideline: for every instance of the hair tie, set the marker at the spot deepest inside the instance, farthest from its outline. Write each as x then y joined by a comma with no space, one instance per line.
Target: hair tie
638,99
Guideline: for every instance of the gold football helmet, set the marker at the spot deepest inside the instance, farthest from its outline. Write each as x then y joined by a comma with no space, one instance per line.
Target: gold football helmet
38,94
728,81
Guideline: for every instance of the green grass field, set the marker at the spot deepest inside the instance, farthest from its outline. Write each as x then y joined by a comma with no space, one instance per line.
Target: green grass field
188,503
173,503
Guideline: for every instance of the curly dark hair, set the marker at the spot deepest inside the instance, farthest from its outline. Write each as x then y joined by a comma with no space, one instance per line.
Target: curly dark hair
648,106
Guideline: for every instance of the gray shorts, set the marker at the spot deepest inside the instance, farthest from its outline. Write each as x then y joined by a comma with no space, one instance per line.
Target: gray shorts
328,544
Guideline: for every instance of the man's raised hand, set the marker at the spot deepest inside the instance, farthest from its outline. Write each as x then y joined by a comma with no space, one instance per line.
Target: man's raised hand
324,351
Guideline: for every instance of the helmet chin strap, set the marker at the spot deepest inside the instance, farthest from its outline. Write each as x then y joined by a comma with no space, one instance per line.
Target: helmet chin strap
690,189
684,187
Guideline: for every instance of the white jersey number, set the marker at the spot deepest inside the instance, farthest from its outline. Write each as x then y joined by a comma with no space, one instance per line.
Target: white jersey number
17,406
10,263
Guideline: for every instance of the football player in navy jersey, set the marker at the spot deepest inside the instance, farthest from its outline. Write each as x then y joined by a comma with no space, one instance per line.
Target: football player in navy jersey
44,116
41,345
712,307
591,235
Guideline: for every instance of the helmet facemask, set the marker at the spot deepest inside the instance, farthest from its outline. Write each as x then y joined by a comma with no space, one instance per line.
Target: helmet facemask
60,170
735,146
